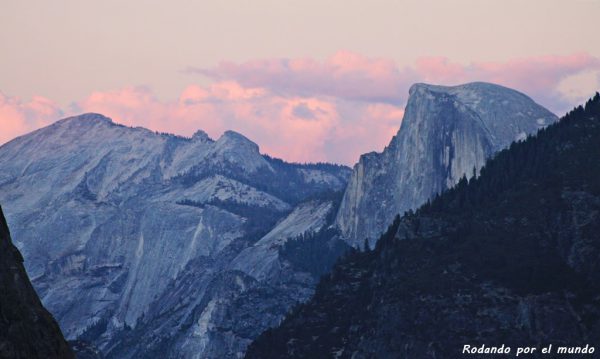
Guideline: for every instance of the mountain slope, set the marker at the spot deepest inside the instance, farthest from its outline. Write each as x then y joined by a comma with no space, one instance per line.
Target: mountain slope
27,330
446,132
511,257
109,217
215,309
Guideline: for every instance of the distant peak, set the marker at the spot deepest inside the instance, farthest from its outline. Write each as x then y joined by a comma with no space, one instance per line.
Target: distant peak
234,136
86,120
90,116
200,136
418,87
234,140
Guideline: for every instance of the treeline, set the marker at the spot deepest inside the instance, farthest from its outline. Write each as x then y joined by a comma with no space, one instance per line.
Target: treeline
314,252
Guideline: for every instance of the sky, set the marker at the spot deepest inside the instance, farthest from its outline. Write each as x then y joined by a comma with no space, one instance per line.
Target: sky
306,80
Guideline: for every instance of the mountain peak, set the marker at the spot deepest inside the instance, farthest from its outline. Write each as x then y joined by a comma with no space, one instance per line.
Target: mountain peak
84,122
89,117
473,86
237,148
446,131
200,136
418,87
505,114
231,139
235,136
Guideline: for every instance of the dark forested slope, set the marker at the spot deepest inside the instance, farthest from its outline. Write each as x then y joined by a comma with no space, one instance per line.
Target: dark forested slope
27,330
511,257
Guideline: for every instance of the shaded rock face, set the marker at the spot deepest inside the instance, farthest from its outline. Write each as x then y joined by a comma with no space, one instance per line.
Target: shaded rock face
121,225
509,258
214,309
446,133
27,330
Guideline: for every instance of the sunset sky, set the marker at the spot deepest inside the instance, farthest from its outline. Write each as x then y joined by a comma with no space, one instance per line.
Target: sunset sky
307,80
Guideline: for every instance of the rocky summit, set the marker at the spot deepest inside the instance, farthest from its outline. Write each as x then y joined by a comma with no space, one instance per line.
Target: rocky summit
446,133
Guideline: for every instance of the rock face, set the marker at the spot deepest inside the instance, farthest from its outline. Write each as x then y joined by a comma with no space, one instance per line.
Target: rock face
214,310
508,258
27,330
122,225
446,132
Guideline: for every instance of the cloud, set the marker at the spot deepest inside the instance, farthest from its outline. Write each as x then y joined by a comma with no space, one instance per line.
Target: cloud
539,77
354,77
296,128
18,117
345,75
309,110
303,111
578,88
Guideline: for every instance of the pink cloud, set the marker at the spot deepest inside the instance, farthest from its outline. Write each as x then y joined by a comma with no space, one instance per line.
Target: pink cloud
535,73
304,109
440,69
18,117
538,77
344,75
296,128
354,77
138,106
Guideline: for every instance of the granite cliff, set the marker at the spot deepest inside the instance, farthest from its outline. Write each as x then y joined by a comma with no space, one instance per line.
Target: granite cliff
446,132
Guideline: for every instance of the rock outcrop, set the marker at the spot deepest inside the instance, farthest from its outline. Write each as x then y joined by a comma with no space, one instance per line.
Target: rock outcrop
446,133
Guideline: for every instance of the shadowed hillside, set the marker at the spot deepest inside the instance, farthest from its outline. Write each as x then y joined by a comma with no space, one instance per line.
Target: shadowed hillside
27,330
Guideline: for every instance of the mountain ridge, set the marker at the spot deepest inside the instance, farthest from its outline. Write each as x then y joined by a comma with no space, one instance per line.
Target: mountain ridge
109,217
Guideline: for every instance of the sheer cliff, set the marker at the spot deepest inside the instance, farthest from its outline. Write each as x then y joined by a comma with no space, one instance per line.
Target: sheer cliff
446,132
